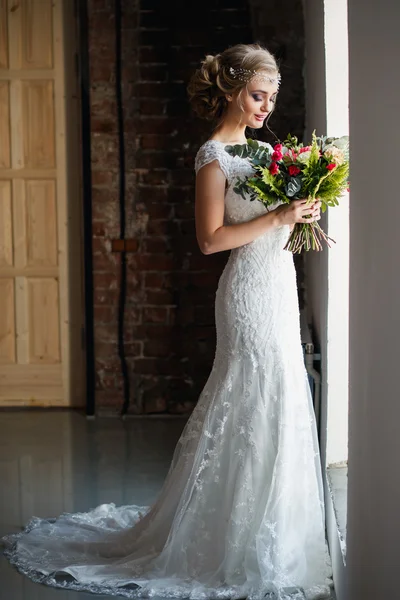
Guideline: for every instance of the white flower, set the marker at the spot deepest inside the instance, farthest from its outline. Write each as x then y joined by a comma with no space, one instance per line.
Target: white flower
304,157
335,154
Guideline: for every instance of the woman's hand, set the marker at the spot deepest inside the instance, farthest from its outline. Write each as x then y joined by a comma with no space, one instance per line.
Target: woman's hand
298,211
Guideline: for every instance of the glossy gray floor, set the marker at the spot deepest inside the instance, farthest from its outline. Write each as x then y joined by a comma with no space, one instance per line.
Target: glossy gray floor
58,461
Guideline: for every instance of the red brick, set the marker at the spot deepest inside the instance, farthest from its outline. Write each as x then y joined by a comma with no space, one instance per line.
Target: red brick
105,298
134,349
158,227
154,280
160,90
159,211
184,210
151,160
178,108
152,55
162,262
159,366
156,246
102,177
106,281
182,177
155,405
102,125
156,331
159,297
153,73
101,70
150,194
130,21
154,142
152,107
103,261
104,195
188,227
154,177
105,349
157,348
155,314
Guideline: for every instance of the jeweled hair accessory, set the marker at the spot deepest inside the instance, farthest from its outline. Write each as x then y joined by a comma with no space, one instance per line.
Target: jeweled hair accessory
246,74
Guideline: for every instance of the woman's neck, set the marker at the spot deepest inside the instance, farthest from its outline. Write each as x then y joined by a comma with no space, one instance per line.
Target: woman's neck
230,135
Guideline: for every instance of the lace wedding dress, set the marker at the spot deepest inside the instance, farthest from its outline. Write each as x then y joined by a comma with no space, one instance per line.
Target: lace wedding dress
241,511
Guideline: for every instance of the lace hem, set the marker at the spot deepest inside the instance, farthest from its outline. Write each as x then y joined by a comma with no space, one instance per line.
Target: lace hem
184,590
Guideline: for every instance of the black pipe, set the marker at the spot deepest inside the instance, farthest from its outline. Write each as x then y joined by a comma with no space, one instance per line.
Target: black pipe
84,82
121,152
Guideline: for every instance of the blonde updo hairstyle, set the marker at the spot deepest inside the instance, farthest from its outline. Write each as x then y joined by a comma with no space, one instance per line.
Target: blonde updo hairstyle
210,83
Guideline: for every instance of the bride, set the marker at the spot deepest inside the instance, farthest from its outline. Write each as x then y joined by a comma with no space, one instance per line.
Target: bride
240,514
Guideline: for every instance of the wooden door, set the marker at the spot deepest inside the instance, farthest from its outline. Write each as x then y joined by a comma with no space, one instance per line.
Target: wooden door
41,308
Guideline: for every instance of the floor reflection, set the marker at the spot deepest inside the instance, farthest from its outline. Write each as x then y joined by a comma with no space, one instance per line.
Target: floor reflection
58,461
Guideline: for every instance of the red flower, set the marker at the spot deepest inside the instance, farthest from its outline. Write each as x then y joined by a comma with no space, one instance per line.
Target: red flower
305,149
293,170
331,166
278,147
277,155
274,169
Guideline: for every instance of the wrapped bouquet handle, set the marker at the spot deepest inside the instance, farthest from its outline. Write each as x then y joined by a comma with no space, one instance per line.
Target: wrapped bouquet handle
307,236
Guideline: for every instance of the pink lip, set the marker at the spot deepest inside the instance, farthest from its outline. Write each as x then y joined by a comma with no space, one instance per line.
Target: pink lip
260,117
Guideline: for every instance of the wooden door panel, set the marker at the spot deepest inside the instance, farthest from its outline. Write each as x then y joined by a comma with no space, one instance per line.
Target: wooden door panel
41,223
38,124
43,320
37,34
5,149
41,357
6,225
3,35
7,322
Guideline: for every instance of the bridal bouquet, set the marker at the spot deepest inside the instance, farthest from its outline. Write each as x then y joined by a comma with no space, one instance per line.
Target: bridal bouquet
292,171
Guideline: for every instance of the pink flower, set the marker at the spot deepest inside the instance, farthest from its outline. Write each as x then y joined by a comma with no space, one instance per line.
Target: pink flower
278,147
305,149
331,166
274,169
277,155
290,155
293,170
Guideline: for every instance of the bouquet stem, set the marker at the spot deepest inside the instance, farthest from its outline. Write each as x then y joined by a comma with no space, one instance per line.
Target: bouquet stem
307,236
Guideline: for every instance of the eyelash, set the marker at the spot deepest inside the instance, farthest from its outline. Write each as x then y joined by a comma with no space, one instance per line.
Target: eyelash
258,98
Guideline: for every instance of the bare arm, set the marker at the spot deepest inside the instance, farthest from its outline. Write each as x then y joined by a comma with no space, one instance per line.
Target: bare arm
213,236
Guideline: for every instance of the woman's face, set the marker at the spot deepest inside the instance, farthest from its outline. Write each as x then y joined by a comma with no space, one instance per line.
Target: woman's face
255,102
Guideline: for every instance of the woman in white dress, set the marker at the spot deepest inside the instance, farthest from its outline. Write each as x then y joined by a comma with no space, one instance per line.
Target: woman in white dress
240,514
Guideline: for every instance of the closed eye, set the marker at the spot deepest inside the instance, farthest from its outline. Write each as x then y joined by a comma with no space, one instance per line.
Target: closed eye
259,98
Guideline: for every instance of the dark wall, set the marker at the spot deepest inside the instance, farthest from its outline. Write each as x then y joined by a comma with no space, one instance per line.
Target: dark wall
169,331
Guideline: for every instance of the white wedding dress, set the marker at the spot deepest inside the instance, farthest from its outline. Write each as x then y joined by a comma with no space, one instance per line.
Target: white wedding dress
241,511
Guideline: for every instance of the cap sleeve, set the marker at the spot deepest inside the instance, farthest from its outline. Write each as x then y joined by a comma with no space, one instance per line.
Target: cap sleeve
211,151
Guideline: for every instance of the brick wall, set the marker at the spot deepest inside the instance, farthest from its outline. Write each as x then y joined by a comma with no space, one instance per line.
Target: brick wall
169,332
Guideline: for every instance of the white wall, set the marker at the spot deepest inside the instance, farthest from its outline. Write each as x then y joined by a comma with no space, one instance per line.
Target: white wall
326,78
337,124
316,262
327,297
374,441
